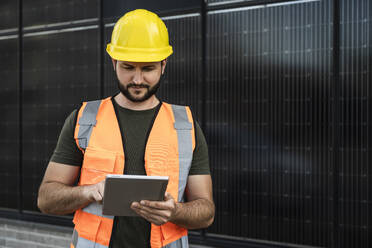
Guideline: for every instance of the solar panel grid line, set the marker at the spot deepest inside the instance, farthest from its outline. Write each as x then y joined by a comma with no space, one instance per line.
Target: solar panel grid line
253,179
250,159
288,193
278,158
233,109
311,172
222,100
255,211
351,218
182,74
361,154
60,24
353,130
243,164
368,134
277,120
43,12
296,133
228,78
235,127
306,153
275,43
109,76
275,79
272,71
255,183
298,185
342,169
229,162
328,160
264,93
364,159
213,2
220,176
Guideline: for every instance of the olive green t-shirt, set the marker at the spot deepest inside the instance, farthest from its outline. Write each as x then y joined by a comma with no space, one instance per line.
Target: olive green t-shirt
134,126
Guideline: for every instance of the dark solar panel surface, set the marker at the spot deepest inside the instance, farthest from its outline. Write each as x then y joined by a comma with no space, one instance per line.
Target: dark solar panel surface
267,119
9,124
43,12
59,72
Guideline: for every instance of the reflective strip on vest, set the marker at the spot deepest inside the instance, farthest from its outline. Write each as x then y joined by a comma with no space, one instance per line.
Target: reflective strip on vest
87,121
80,242
183,242
183,127
96,209
74,238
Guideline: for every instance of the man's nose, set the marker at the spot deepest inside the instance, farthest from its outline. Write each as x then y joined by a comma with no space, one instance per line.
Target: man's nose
138,77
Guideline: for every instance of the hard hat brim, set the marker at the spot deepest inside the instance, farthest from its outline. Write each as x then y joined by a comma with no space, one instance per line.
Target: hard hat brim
138,54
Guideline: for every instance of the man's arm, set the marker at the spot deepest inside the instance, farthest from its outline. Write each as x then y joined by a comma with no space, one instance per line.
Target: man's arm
197,212
58,196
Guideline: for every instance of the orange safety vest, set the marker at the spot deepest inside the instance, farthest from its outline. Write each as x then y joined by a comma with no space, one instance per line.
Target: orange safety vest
168,152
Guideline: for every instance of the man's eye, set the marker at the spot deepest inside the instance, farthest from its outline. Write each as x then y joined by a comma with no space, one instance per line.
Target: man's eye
148,69
128,68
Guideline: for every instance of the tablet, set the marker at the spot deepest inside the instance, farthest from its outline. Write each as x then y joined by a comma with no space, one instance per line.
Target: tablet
121,190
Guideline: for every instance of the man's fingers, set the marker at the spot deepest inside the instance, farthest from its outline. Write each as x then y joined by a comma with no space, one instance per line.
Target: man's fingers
156,212
153,219
97,196
137,207
100,191
168,196
138,211
156,216
101,187
157,220
161,205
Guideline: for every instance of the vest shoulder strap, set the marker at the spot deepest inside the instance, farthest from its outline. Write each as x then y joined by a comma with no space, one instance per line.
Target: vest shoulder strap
180,117
86,122
185,146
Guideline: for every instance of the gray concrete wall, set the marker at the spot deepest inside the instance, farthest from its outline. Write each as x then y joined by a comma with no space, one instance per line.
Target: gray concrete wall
24,234
19,234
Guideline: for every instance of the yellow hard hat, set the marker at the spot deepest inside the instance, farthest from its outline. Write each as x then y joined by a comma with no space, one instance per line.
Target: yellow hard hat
139,36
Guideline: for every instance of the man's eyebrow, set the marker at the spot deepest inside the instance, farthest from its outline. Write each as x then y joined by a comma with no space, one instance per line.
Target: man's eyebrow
129,65
148,66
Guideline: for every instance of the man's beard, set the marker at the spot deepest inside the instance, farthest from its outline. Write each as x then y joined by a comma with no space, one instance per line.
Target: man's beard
150,90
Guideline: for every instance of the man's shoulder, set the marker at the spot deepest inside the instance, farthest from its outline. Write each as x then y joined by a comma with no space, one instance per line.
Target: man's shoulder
98,100
94,105
176,106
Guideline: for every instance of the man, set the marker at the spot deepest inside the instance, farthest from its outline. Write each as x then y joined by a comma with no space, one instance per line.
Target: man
131,133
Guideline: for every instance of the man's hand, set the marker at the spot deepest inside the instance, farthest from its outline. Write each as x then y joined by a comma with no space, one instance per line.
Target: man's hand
196,213
94,192
156,212
59,195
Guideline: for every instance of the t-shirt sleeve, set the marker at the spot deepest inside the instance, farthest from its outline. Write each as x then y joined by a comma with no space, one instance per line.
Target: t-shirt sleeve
67,152
200,158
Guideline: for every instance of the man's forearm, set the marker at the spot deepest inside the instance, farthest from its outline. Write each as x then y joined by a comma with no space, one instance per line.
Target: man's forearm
58,198
194,214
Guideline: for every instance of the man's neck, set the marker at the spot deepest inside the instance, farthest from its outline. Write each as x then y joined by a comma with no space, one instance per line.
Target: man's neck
150,103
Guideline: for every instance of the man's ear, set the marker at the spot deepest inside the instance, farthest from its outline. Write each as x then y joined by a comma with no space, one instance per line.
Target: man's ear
163,64
114,61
